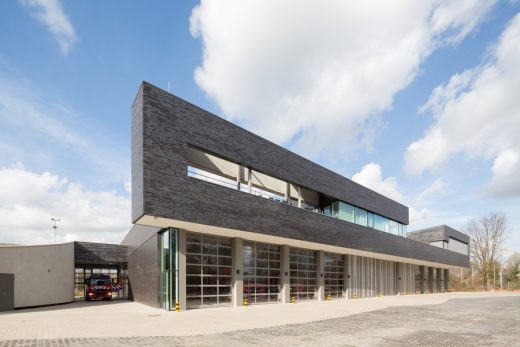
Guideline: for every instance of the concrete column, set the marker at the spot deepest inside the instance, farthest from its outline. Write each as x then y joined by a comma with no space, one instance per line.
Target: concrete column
181,270
237,249
249,180
285,268
287,191
299,196
346,279
320,273
239,169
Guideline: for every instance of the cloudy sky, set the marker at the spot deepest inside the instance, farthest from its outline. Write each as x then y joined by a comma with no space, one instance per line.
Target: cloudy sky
418,100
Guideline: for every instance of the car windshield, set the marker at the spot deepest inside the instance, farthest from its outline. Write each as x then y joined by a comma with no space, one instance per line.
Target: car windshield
99,281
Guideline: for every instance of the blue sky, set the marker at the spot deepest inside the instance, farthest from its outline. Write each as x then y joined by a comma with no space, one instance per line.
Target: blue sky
340,84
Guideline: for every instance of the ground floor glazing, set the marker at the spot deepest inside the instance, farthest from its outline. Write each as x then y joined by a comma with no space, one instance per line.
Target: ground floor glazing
199,270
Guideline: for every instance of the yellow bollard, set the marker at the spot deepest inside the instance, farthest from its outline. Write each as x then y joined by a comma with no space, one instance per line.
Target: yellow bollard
293,300
329,297
246,302
177,306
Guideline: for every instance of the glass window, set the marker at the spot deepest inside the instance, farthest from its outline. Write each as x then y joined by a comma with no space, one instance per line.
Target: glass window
346,212
360,216
335,209
370,219
393,227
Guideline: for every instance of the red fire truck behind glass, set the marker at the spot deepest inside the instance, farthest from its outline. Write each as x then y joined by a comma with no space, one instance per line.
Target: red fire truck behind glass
99,286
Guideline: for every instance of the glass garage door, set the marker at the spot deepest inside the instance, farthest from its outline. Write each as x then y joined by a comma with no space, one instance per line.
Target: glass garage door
261,272
303,274
119,276
208,270
334,270
418,279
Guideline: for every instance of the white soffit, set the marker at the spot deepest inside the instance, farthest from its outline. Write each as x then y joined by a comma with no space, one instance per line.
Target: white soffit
251,236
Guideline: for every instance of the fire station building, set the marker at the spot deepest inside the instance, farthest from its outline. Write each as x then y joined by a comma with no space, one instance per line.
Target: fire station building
222,216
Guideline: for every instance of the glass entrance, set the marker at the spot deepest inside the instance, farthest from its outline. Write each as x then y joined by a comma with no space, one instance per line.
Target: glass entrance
168,252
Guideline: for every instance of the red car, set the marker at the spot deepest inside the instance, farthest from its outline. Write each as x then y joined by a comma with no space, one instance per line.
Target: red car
98,287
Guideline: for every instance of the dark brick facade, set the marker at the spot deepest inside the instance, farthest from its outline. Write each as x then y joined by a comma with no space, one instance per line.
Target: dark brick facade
438,233
164,125
99,253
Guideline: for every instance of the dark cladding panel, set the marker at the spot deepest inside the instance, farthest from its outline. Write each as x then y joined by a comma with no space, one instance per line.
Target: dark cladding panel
99,253
438,233
137,235
6,292
143,272
137,156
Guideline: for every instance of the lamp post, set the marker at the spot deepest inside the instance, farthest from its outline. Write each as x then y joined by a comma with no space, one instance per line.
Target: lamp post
55,226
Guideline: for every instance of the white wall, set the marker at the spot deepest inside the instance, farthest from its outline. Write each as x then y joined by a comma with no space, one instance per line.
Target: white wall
43,275
457,246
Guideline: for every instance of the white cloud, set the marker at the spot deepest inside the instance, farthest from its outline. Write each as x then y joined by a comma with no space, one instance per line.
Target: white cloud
477,114
506,168
437,186
371,177
128,186
317,74
29,200
50,13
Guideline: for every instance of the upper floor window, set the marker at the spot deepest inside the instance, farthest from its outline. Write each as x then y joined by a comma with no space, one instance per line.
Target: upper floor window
216,170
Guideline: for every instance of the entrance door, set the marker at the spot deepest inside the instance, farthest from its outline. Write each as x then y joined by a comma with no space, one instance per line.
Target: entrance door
168,251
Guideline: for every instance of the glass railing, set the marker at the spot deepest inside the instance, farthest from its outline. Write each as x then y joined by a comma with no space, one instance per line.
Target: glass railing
211,178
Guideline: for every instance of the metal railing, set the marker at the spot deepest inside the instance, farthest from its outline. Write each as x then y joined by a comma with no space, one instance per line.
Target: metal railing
222,181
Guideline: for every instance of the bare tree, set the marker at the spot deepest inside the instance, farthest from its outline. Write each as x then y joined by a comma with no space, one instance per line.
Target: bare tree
513,271
487,236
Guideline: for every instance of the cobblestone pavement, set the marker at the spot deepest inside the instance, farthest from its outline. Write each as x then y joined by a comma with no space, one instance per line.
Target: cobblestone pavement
458,322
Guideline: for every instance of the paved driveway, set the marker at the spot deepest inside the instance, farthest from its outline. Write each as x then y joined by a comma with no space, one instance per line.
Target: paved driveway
441,320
